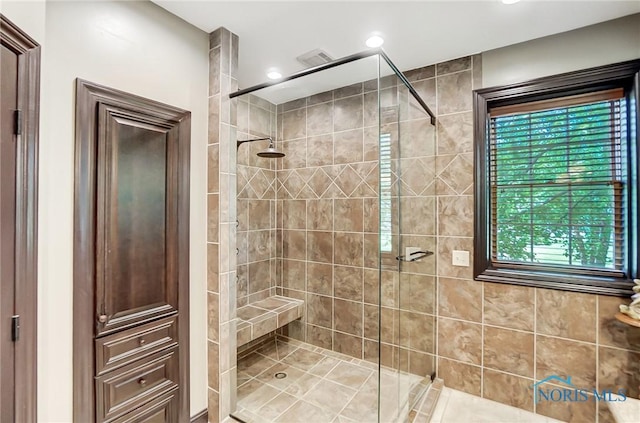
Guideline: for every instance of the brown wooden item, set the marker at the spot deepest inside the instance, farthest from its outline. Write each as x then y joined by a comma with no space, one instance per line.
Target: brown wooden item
19,106
628,320
131,258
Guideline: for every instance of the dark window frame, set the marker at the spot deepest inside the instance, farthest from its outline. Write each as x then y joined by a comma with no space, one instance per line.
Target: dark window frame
624,75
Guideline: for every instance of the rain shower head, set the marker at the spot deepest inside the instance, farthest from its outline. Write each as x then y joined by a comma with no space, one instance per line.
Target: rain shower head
269,153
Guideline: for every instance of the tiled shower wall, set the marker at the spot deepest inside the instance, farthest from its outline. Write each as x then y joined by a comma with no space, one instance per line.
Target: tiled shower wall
221,225
327,201
497,340
256,202
328,212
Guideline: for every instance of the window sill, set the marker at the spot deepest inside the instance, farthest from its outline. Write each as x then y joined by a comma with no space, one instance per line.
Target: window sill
585,284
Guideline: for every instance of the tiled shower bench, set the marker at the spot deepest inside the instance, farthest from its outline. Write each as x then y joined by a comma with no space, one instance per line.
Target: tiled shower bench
264,316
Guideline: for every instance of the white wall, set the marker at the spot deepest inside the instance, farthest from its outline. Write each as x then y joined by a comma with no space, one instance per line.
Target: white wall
609,42
29,16
136,47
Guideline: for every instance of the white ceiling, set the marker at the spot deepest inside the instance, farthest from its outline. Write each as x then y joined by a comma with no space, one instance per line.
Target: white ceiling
417,33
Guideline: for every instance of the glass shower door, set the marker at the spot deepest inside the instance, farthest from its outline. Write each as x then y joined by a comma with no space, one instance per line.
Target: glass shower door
407,245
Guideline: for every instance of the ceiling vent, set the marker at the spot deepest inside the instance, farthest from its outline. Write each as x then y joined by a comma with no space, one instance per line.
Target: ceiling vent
315,57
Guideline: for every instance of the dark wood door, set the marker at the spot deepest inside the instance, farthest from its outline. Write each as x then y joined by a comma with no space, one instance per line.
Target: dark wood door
19,75
8,107
136,261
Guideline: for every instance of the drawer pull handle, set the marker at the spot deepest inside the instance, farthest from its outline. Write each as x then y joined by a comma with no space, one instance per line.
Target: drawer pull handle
142,341
142,382
102,318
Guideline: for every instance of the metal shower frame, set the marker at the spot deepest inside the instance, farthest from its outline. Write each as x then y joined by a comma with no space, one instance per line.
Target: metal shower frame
342,61
240,142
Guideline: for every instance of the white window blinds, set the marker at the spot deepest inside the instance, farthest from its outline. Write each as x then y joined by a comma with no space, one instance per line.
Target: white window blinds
557,181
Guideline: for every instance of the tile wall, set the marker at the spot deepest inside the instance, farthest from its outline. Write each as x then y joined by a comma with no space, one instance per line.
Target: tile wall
497,340
221,225
256,202
328,214
327,202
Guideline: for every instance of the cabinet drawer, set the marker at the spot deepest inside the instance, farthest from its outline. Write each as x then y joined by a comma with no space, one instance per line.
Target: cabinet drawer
124,347
131,386
160,410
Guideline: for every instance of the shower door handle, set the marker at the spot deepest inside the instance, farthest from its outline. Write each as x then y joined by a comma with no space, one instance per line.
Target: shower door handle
415,256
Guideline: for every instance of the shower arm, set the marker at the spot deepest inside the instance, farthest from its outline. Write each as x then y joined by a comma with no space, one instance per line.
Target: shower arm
239,143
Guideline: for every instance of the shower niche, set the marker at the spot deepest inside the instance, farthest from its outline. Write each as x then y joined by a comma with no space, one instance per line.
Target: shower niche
335,185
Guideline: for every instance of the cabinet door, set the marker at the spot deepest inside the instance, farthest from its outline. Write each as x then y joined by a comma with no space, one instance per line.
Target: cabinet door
161,410
136,231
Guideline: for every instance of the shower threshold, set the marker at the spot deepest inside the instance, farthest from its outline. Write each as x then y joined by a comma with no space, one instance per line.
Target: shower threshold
459,407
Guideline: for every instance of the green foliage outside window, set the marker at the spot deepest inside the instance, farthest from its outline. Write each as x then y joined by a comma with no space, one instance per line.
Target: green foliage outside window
556,183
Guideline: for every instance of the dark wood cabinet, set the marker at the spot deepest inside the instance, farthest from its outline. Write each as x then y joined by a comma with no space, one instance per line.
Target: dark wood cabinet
130,258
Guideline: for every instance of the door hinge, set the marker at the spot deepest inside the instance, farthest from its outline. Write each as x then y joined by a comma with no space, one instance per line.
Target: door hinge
15,327
17,124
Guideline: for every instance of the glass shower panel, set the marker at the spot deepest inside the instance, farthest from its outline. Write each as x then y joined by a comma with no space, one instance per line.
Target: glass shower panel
343,221
418,229
308,229
407,246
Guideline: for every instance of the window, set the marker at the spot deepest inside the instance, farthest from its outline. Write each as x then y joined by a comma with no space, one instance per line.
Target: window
556,181
385,193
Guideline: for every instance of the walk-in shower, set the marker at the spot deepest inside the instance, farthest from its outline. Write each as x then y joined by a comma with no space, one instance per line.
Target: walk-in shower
333,324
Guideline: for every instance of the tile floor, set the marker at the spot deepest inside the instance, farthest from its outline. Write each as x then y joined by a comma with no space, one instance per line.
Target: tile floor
459,407
321,387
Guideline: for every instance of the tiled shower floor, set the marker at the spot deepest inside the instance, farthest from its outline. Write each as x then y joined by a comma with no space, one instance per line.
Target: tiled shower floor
321,386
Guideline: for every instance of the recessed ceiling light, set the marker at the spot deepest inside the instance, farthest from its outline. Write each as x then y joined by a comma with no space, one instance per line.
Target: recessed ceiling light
374,41
510,1
274,74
